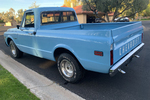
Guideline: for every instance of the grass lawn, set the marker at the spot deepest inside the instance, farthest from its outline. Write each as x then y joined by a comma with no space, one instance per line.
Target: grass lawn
12,89
144,19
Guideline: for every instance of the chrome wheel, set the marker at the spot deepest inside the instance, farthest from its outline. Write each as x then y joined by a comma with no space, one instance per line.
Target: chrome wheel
16,53
69,68
66,68
13,49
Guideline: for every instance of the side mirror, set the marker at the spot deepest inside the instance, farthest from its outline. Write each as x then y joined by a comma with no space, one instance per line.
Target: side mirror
18,26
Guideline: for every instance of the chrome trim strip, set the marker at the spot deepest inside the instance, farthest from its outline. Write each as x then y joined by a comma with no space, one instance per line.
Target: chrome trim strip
117,65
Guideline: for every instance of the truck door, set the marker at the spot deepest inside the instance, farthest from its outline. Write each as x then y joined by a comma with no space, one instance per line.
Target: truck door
27,33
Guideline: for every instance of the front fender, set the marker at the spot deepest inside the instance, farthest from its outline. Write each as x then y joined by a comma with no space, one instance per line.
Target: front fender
7,39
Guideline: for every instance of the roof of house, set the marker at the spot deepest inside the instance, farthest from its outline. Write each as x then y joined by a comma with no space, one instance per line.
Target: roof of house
63,6
111,13
79,10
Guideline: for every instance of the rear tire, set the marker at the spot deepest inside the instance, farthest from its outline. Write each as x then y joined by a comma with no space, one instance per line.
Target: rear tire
16,53
69,68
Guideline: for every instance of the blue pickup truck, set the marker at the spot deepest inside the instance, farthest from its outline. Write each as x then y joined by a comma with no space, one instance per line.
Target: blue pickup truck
55,34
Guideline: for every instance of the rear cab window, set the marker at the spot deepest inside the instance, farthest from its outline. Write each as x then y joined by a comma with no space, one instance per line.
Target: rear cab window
52,17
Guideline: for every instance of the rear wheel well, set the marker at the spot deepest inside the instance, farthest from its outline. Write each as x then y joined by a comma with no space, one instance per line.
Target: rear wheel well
59,51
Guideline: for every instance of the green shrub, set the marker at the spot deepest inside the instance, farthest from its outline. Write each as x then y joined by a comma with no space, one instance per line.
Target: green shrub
1,21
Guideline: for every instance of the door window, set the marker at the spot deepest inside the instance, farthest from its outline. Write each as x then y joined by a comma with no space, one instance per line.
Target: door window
29,20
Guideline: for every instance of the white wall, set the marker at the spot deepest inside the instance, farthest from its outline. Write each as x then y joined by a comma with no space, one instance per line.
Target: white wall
82,18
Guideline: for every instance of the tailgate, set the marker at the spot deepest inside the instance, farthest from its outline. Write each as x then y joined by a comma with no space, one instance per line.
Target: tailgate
126,38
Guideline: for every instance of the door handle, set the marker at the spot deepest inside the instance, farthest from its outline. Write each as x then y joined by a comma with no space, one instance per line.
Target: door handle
32,33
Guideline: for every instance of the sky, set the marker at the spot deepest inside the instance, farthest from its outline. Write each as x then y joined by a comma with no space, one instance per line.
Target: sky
5,5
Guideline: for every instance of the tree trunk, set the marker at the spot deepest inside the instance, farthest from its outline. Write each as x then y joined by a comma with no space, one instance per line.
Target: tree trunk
114,16
99,17
107,17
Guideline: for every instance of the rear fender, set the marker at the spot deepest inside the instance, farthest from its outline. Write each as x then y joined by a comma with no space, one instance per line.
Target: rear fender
65,47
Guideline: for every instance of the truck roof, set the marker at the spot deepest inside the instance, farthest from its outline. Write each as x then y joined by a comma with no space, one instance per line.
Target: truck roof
41,9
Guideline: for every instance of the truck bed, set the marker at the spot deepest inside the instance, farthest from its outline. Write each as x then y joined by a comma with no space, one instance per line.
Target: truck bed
96,26
106,26
126,35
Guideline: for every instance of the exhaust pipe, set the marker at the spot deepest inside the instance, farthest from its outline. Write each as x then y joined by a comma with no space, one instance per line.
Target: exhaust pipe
121,71
137,56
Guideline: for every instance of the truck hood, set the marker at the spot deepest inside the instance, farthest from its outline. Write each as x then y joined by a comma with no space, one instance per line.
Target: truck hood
12,30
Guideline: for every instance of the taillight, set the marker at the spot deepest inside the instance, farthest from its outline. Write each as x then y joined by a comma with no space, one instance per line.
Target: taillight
98,53
111,54
111,57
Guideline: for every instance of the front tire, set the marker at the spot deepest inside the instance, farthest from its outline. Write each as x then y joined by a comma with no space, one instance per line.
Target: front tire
16,53
69,68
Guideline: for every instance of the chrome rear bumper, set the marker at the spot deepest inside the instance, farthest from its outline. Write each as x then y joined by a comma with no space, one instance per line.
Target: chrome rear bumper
114,69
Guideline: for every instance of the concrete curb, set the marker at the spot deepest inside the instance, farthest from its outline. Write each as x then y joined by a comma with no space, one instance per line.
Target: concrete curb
43,88
144,28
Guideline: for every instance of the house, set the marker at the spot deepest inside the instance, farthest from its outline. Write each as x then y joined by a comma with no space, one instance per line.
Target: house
86,16
8,24
12,23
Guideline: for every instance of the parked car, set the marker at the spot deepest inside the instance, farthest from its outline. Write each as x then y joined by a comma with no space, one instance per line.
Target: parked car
98,20
55,34
119,19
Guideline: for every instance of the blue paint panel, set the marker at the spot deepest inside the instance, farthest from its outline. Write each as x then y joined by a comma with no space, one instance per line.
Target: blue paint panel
126,38
81,43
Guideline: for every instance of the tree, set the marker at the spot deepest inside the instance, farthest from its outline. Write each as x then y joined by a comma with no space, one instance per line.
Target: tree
70,3
9,15
117,6
146,12
12,12
1,14
20,14
34,5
